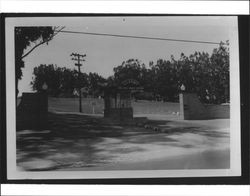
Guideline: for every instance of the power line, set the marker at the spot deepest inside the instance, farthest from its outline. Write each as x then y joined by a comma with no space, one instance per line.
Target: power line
141,37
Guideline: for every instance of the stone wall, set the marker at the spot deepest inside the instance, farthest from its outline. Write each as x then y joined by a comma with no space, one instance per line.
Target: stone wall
192,109
218,111
32,112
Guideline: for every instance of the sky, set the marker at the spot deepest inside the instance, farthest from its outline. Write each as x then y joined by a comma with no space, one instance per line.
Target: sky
105,53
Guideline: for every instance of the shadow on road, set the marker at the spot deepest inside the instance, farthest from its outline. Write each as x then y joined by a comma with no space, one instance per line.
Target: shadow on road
73,140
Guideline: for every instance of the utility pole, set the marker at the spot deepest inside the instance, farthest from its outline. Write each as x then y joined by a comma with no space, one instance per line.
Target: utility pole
79,58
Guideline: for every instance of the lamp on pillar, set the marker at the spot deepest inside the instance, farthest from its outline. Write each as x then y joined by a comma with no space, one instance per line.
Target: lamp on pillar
44,86
182,101
183,88
44,93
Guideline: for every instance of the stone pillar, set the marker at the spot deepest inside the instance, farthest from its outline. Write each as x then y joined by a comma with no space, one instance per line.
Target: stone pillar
191,108
181,101
32,111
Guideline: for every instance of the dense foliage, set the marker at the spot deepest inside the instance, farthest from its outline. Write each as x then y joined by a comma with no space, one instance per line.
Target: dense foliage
62,81
24,38
201,73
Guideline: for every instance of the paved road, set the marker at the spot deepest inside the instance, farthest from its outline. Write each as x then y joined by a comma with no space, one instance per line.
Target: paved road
80,142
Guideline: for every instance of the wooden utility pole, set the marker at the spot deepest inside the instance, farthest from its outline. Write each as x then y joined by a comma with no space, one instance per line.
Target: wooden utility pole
79,58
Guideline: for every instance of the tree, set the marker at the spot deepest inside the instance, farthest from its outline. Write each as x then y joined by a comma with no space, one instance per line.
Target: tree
201,73
51,75
220,73
95,84
164,79
130,69
30,38
200,67
61,81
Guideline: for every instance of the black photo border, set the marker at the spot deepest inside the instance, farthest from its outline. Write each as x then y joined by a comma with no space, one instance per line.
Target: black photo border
244,55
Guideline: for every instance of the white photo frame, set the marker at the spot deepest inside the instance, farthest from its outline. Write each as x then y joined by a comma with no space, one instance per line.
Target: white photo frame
235,127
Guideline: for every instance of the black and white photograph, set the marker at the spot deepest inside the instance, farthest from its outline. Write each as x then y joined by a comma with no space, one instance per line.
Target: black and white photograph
122,96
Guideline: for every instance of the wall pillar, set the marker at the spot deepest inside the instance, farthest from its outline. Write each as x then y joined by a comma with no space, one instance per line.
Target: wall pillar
32,111
191,108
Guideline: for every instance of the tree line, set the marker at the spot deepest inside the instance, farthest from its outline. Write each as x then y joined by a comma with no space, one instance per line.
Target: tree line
62,81
200,73
207,75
